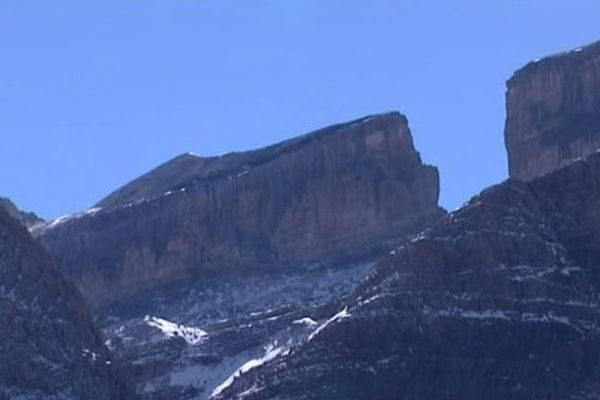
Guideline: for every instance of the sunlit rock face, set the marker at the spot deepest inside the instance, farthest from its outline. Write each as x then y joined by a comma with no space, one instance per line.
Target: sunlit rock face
49,346
499,300
553,112
338,194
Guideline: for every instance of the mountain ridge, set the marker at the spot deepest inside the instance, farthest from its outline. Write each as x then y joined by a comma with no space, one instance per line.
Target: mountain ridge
332,195
231,163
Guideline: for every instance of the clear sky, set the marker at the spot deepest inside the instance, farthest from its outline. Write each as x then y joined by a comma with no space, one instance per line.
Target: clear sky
94,93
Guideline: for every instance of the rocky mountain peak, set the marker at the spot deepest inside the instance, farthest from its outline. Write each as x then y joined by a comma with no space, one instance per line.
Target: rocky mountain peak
190,168
335,194
29,219
553,112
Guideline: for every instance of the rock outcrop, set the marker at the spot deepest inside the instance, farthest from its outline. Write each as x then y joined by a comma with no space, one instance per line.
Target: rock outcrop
499,300
553,112
29,219
49,346
338,194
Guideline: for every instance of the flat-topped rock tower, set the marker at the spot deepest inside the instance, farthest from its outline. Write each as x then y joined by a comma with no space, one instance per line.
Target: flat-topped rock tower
553,112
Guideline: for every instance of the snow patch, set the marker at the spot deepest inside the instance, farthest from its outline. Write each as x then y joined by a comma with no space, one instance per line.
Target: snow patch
305,321
170,329
370,300
271,352
61,220
92,210
88,353
419,237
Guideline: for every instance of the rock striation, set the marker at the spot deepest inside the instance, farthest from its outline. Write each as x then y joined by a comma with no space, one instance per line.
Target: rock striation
50,346
337,194
498,300
553,112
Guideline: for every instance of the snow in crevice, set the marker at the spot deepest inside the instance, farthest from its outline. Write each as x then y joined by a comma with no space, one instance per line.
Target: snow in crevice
526,272
512,316
243,172
271,352
469,314
248,392
262,312
170,329
337,317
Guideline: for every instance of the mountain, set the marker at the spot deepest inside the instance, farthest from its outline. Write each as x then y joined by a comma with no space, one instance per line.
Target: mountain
323,268
197,267
50,346
499,300
29,219
553,112
325,198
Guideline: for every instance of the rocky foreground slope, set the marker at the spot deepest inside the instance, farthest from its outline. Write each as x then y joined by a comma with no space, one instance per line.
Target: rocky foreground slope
49,346
328,197
553,112
497,301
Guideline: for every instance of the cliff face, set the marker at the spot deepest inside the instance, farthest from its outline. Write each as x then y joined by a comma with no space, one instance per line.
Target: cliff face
326,197
553,112
498,300
50,347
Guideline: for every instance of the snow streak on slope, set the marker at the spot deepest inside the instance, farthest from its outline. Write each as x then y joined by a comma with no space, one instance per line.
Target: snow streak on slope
170,329
270,353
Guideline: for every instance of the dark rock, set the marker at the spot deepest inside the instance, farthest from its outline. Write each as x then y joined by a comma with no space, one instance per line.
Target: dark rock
499,300
49,345
338,194
29,219
553,112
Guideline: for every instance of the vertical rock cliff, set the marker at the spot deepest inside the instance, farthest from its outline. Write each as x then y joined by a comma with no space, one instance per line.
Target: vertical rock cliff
334,195
553,112
49,346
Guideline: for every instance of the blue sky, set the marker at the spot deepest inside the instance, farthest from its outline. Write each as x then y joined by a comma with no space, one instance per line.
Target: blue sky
94,93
